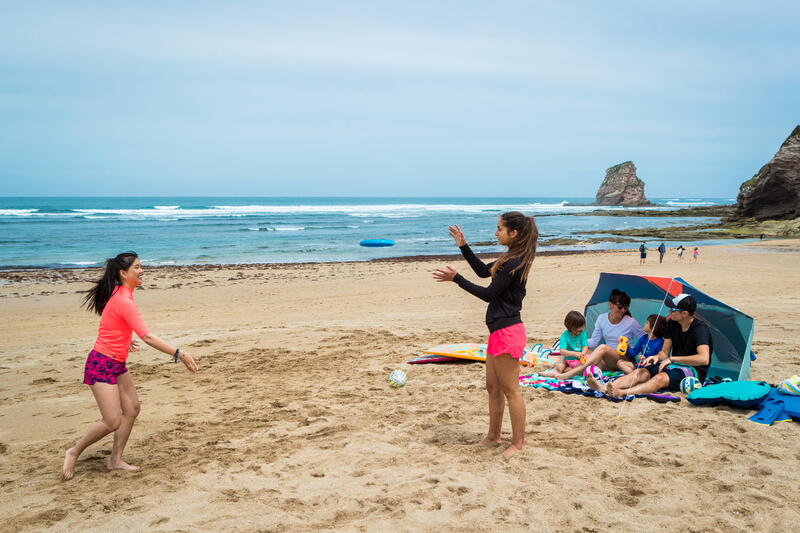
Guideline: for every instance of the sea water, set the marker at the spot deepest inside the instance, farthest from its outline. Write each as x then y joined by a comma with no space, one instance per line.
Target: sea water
37,232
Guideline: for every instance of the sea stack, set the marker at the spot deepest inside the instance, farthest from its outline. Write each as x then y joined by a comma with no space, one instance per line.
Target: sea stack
621,186
774,192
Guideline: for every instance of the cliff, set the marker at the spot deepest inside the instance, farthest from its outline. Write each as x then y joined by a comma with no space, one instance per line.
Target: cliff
621,186
774,192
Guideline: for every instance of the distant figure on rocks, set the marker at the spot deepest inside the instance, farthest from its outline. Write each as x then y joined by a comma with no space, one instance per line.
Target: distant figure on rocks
661,251
696,253
761,237
642,253
680,249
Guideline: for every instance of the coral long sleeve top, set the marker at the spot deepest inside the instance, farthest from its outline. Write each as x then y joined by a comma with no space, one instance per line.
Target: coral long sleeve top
119,320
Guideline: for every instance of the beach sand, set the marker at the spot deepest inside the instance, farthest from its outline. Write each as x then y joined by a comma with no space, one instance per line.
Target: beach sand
290,424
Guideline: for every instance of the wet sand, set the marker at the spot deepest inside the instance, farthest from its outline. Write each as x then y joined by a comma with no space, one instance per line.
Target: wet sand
290,425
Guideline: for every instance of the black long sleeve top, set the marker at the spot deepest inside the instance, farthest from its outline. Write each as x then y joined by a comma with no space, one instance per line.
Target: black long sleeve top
504,293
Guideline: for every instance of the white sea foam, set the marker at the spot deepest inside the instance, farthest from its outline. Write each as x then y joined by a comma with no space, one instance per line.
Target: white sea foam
411,240
371,211
17,212
382,210
688,203
286,228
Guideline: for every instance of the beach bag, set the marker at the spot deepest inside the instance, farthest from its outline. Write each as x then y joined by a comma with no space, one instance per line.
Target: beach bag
777,407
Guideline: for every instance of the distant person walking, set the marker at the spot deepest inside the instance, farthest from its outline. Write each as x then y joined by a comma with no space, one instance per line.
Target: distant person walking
695,254
105,371
661,251
642,253
680,249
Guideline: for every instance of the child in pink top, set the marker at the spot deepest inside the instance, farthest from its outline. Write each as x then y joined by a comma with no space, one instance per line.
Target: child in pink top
105,371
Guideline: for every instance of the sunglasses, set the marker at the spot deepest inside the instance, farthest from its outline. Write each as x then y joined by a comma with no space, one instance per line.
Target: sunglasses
675,309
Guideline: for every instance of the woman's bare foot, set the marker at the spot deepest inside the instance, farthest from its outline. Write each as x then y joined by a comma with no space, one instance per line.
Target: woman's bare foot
68,470
594,384
511,450
489,443
120,465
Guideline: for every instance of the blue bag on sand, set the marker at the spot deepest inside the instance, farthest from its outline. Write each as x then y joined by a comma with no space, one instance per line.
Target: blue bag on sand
777,407
736,393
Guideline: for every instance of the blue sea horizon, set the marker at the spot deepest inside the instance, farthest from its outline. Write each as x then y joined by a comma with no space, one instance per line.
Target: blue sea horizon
65,232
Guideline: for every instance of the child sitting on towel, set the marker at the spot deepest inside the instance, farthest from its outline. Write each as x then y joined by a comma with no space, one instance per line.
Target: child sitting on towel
656,328
573,345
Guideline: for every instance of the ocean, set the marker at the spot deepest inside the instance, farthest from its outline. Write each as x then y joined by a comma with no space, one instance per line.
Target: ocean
39,232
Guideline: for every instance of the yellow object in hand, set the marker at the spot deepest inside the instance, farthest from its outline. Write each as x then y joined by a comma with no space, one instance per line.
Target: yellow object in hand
622,347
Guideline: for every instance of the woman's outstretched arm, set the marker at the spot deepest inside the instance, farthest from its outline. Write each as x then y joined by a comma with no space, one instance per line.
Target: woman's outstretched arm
479,267
162,346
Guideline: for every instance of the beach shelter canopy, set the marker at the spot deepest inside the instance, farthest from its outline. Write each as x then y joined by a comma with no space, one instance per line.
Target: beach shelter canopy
731,330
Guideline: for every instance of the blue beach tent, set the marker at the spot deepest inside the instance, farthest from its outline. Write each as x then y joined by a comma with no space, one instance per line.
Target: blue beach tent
731,330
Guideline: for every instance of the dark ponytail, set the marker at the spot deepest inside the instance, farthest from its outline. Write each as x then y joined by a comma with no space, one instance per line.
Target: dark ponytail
524,246
97,297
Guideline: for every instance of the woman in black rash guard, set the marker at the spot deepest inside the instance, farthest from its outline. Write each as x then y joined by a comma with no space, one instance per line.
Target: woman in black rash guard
507,337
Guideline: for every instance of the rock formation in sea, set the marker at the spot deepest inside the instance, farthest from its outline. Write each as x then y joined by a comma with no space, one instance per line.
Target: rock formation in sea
621,186
774,192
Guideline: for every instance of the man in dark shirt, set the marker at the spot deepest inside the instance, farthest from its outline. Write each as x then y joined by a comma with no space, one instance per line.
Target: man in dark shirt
690,343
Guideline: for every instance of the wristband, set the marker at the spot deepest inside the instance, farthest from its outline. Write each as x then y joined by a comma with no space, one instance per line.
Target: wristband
175,356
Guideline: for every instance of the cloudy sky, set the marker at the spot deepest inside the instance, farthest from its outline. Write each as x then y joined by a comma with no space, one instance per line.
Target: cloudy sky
392,98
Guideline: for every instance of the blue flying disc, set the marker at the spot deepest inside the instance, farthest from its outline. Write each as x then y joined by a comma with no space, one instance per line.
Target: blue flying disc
376,243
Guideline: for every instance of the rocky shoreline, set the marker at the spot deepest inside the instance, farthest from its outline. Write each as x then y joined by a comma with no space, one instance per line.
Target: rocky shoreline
768,205
730,226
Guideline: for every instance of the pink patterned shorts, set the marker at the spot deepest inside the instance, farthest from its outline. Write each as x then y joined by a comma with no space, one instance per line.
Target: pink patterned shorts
102,369
510,340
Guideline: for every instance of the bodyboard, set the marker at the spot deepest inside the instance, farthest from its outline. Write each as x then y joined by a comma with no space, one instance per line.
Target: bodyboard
464,350
431,358
477,352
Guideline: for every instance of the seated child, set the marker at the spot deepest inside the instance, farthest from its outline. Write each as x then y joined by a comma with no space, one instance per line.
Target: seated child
573,345
656,328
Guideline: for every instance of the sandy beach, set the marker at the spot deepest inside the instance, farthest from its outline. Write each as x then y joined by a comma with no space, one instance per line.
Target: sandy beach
290,424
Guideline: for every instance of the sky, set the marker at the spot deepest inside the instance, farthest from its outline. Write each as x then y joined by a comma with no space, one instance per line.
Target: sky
446,98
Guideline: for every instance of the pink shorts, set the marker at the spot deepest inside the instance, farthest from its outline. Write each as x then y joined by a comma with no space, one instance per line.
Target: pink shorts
573,363
102,369
510,340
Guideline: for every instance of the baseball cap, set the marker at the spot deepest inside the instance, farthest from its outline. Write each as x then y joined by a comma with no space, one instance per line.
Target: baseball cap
683,301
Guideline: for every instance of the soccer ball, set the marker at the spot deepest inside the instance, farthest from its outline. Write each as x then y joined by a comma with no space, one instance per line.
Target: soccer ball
397,378
790,386
689,384
594,371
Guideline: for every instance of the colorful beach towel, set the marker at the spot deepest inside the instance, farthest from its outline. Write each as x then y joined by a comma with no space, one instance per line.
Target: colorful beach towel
577,385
